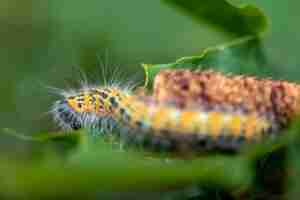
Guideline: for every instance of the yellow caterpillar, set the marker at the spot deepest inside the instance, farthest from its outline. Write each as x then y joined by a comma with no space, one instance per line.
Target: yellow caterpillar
160,124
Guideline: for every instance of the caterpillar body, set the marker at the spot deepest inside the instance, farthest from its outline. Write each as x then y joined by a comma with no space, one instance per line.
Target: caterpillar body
159,124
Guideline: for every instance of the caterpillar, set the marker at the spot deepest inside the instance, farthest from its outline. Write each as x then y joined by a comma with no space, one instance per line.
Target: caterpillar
188,112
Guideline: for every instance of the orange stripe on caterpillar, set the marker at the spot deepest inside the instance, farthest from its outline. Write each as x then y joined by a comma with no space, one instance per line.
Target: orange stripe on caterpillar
216,123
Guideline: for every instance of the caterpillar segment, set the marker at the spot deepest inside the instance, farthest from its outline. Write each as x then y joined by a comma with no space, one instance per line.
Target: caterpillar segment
161,126
278,100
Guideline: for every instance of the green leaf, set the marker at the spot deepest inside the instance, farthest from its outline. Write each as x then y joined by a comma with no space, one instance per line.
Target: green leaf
241,56
97,167
73,137
238,20
105,170
42,144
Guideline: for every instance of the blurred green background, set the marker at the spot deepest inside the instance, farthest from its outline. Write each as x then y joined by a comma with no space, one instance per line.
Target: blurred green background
45,43
42,42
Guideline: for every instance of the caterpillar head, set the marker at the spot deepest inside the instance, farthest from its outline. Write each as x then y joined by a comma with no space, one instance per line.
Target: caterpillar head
86,107
98,101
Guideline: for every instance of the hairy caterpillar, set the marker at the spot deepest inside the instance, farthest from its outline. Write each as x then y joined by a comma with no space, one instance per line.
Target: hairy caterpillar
181,116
